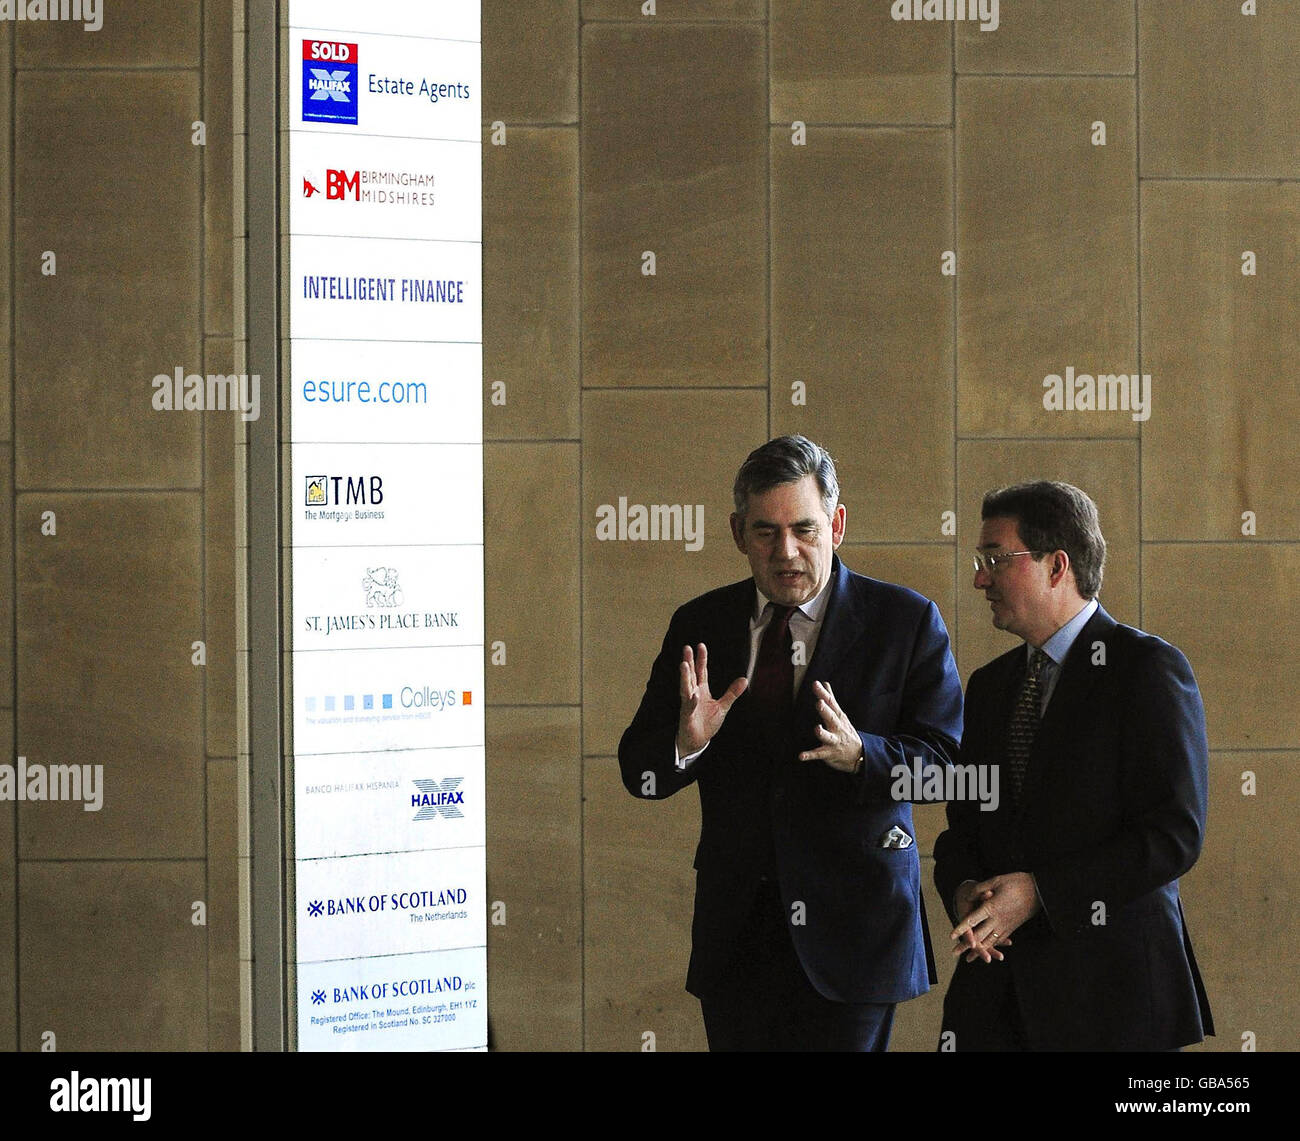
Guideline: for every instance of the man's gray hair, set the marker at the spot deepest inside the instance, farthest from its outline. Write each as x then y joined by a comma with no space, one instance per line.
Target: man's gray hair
786,459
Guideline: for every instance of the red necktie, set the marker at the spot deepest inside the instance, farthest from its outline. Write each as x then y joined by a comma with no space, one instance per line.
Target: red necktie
773,682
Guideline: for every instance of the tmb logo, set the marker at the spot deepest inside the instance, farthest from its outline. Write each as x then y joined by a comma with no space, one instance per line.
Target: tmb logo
345,490
329,82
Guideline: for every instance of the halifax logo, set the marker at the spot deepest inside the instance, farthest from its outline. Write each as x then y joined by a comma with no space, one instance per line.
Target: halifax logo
329,82
438,797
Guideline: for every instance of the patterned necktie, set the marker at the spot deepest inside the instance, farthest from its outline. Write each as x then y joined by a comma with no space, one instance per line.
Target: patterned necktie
773,682
1024,723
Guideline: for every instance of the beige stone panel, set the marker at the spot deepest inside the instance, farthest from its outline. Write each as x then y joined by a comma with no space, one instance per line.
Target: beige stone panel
108,180
246,909
925,569
1047,250
530,259
223,905
639,892
1220,90
108,957
1222,350
141,33
842,61
862,318
653,448
531,558
1106,469
1226,606
246,1006
930,821
242,704
238,156
6,246
6,578
530,62
218,167
918,1022
239,258
240,569
1052,37
8,894
242,820
534,868
674,162
1245,883
108,609
219,564
631,10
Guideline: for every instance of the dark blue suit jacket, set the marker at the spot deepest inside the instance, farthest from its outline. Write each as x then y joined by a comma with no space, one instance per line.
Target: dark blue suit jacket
884,651
1113,812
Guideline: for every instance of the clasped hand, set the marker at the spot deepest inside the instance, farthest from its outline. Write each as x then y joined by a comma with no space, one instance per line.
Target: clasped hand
991,910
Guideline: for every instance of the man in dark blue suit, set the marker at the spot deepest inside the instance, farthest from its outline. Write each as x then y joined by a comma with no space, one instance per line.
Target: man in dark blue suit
809,924
1099,732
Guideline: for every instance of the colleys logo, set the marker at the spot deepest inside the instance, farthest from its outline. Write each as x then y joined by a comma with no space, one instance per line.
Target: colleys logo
329,82
438,798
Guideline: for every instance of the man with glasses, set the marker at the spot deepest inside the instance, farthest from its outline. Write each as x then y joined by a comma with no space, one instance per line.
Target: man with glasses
790,699
1069,928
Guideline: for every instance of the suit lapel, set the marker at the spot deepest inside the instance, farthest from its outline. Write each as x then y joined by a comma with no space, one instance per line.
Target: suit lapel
729,647
1070,700
842,625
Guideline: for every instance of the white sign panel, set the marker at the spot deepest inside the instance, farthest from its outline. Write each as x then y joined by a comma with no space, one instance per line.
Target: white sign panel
358,188
399,1002
440,19
384,289
409,392
354,84
363,701
362,495
384,295
378,597
421,799
357,906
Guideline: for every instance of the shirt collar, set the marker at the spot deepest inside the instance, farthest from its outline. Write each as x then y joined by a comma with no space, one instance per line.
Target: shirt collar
813,609
1058,645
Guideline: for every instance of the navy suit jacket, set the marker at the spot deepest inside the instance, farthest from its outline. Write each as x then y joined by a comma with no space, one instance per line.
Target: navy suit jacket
884,651
1112,813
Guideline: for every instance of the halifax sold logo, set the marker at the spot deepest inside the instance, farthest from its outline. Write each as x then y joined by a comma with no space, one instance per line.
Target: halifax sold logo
329,82
438,798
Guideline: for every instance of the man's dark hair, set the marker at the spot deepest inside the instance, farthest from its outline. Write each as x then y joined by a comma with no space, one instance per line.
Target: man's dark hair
786,459
1052,516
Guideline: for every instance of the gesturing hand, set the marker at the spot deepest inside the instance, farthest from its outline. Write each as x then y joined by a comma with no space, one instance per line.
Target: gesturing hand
841,747
701,716
997,907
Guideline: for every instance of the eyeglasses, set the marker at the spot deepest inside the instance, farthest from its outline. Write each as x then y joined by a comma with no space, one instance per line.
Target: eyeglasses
990,563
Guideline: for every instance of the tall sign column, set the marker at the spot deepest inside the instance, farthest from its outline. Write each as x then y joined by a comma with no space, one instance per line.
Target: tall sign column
383,295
